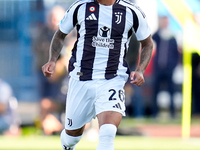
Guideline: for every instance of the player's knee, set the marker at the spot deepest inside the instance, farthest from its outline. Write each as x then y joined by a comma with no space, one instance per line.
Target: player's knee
69,142
107,133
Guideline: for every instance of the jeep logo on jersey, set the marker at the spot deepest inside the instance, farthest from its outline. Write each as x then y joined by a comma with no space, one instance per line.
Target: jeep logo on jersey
104,31
119,17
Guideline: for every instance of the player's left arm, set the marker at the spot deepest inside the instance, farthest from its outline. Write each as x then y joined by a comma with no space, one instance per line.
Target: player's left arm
145,57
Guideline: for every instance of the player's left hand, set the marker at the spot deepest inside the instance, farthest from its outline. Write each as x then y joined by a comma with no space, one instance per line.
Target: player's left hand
137,78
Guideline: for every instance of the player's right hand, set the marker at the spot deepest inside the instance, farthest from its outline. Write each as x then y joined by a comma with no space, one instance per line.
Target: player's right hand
48,68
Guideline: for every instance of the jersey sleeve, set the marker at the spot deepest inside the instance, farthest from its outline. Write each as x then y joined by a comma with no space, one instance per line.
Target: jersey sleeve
143,31
68,22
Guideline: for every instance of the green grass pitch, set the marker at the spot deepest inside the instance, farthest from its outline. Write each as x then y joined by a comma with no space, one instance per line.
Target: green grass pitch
121,143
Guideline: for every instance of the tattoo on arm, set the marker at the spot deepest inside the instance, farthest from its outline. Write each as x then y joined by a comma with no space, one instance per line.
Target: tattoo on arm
56,45
145,56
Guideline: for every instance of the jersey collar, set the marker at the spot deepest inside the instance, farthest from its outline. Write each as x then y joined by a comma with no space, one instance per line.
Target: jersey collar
116,1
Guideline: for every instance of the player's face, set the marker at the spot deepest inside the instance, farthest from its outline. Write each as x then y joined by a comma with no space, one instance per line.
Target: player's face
164,21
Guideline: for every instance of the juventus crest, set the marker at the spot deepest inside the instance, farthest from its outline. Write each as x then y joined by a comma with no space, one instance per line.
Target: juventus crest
119,17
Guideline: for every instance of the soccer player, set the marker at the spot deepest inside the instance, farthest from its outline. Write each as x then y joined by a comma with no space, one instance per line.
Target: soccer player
98,70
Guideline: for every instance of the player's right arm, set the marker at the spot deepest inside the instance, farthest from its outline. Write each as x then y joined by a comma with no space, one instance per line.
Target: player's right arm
65,27
54,52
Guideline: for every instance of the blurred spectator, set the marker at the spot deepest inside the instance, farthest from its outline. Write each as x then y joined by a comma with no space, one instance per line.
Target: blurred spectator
165,61
196,76
134,100
195,84
137,97
128,98
9,119
52,96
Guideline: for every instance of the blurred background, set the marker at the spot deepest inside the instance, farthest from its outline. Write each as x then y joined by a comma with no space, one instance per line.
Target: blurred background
26,29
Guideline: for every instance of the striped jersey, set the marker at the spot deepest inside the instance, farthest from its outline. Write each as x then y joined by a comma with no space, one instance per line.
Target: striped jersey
102,36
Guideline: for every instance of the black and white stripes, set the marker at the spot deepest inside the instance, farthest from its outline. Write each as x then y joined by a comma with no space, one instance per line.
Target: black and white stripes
102,35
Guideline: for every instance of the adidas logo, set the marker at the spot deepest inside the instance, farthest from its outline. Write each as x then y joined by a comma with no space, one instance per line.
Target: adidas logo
117,106
91,17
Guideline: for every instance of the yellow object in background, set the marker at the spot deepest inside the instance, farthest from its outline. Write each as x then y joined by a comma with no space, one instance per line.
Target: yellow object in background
191,41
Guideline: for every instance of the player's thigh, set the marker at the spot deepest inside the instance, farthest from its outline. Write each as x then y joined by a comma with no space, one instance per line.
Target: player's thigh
110,104
109,117
80,104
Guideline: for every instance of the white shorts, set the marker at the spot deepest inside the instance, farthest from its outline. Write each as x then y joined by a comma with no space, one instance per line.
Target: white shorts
86,99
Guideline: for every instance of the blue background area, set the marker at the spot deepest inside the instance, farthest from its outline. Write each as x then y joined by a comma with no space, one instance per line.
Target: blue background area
194,5
17,22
